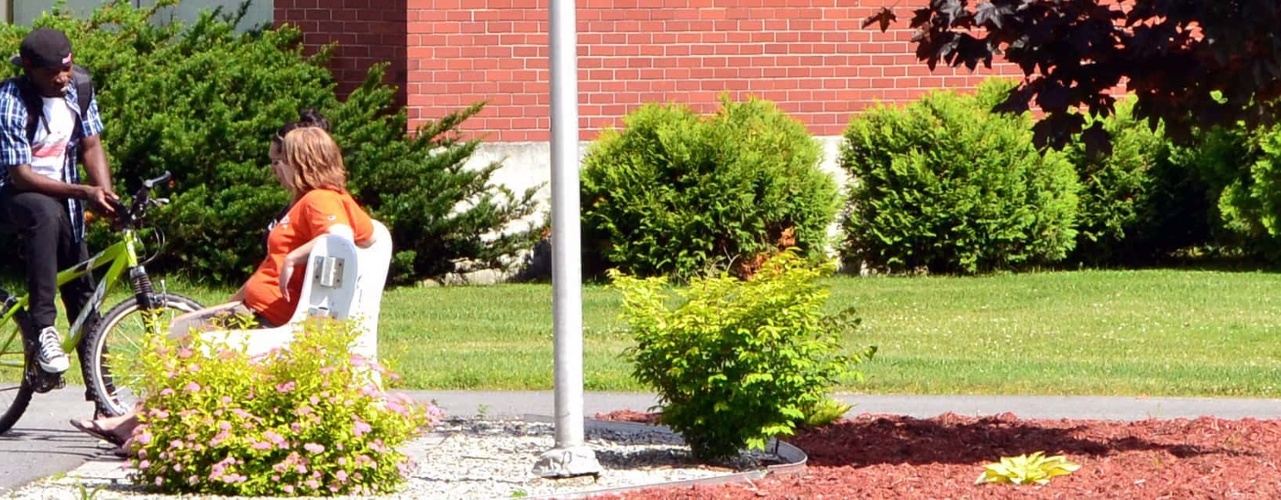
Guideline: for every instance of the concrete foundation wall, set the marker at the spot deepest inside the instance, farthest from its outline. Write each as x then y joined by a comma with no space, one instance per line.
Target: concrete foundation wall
528,164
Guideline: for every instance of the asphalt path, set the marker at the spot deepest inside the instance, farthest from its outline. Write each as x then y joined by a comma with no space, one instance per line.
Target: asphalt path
43,443
1124,408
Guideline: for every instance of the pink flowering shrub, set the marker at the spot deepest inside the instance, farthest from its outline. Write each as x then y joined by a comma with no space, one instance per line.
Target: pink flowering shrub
304,421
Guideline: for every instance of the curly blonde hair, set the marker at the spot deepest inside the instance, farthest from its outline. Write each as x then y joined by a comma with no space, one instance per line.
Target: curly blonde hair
316,161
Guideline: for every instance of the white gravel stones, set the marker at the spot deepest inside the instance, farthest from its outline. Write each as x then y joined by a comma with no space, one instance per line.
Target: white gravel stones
478,459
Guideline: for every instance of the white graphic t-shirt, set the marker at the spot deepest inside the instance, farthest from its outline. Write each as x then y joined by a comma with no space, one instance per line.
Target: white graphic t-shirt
49,148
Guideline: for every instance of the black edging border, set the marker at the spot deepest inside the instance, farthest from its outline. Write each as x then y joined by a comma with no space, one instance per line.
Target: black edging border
795,458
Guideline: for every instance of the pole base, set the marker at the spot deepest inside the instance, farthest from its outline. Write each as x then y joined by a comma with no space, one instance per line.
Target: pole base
567,462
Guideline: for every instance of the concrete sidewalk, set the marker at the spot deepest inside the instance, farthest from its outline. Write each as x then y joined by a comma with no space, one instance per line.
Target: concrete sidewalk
44,432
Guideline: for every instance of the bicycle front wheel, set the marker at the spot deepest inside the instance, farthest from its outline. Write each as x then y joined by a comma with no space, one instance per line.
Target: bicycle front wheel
119,336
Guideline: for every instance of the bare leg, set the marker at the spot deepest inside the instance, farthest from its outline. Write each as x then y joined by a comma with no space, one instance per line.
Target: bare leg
200,320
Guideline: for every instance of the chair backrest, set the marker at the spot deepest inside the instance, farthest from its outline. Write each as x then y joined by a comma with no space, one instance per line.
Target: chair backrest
331,279
341,281
375,261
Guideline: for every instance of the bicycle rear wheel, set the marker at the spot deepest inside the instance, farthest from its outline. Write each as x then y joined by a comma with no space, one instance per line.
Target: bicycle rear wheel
15,386
119,336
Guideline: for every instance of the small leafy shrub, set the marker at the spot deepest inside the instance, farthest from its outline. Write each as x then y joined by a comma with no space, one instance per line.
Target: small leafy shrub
945,185
825,412
1024,469
203,101
676,194
307,420
738,362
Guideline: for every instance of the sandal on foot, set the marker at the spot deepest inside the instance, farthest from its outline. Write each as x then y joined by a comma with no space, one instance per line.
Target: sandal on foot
95,430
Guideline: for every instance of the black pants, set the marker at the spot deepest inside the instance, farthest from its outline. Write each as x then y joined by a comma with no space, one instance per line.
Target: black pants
48,246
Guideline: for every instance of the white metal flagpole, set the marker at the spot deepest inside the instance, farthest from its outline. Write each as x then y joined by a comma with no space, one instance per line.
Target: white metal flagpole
571,457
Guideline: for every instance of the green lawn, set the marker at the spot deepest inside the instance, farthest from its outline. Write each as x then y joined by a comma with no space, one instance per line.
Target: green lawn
1093,332
1184,333
204,295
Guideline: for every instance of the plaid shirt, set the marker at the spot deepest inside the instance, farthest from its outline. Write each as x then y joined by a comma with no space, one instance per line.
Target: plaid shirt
15,149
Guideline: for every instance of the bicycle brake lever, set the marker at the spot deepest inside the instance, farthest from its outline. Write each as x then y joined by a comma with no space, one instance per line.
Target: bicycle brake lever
159,201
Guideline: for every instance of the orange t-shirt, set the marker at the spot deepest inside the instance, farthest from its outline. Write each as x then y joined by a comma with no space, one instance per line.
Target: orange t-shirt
310,217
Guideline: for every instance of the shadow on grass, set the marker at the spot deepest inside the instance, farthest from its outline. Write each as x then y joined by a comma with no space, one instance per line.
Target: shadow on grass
1214,263
952,439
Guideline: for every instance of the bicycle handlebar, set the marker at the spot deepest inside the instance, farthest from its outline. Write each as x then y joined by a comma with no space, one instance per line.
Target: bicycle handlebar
132,216
150,183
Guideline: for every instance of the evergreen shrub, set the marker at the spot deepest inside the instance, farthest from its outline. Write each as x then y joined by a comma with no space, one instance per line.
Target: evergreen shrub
1144,201
204,100
678,194
947,186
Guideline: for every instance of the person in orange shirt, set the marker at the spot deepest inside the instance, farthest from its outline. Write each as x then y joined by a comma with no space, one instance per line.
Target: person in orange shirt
309,164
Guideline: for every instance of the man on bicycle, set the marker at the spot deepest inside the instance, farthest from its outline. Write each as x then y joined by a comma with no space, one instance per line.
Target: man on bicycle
40,192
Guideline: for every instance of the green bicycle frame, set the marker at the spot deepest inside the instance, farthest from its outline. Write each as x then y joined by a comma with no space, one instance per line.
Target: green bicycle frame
121,256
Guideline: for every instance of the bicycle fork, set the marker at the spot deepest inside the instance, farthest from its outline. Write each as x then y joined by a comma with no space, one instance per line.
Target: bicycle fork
142,289
140,283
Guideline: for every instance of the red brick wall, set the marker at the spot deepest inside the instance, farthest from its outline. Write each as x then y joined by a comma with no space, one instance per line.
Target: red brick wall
366,31
812,57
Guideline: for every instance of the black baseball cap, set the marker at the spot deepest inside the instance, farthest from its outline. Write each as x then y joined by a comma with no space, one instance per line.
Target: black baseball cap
44,48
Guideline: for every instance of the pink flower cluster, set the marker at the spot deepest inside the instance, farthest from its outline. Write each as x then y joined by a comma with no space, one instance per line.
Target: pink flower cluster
224,432
219,471
292,462
292,403
361,427
271,440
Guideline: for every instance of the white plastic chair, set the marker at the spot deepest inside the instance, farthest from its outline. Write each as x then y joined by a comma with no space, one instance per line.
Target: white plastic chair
375,262
341,281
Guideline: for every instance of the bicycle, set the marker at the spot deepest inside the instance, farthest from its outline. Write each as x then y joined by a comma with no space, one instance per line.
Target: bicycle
121,260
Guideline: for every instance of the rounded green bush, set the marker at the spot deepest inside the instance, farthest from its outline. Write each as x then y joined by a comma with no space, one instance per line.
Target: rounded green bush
678,194
1244,170
1138,205
947,186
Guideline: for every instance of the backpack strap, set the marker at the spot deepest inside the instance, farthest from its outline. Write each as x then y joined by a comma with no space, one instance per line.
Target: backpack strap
35,106
83,81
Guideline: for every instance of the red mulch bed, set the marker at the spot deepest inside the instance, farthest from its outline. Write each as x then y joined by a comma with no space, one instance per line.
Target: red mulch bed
889,456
